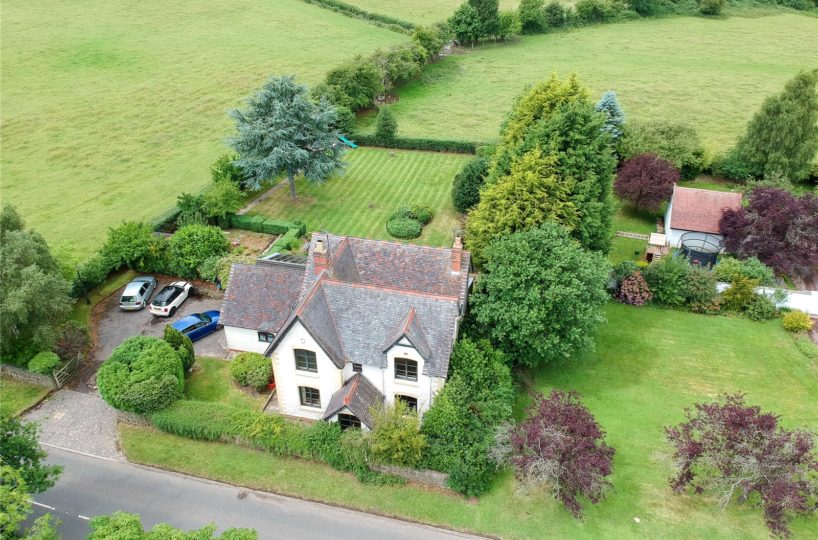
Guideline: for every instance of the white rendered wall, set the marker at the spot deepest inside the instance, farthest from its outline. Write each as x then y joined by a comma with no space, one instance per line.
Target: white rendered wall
244,339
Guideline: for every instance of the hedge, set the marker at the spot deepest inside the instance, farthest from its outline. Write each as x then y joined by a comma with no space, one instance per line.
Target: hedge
44,363
384,21
265,225
431,145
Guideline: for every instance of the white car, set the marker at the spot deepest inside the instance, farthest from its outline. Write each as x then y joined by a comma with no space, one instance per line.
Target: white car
170,298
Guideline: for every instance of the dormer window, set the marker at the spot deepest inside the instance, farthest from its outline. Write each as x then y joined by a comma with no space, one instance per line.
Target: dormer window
306,361
406,369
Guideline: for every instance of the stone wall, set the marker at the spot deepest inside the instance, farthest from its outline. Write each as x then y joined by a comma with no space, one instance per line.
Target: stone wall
24,375
133,418
418,476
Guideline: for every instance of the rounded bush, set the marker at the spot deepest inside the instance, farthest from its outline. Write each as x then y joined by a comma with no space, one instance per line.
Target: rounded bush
404,227
797,321
44,363
251,369
421,213
143,375
761,309
194,244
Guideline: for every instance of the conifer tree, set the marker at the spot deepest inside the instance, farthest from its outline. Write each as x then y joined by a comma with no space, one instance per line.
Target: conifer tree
614,116
782,137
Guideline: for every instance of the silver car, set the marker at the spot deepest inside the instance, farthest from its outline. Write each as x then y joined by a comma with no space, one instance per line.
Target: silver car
137,293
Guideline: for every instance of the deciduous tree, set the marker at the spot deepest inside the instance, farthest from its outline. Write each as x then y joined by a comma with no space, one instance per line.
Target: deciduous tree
646,181
778,228
676,142
465,24
33,293
737,451
541,295
560,448
283,131
488,13
532,16
20,450
783,136
124,525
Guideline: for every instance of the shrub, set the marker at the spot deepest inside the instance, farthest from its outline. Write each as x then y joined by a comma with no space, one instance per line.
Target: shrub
467,184
797,321
622,270
132,245
740,295
142,375
221,199
251,369
807,347
396,436
730,268
761,309
265,225
702,295
634,290
181,344
354,84
668,280
592,11
192,245
191,210
20,353
72,339
44,363
404,227
386,126
711,7
508,25
225,169
555,15
532,16
676,142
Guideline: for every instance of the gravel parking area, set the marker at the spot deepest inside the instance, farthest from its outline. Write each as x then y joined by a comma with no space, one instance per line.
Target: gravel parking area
113,326
77,421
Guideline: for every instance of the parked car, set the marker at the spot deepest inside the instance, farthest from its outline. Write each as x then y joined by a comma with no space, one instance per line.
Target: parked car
137,293
198,325
170,298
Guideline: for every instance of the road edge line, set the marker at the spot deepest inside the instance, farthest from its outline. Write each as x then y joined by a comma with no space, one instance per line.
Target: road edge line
86,454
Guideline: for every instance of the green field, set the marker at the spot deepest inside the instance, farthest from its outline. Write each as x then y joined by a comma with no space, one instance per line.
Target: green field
713,73
419,11
376,182
17,396
649,364
111,109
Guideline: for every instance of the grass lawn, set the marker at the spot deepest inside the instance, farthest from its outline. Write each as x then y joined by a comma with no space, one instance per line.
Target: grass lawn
211,382
111,109
419,11
713,73
376,182
648,365
17,396
82,309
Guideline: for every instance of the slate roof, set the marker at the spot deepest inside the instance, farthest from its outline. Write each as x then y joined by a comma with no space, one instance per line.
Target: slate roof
359,396
261,297
372,294
700,209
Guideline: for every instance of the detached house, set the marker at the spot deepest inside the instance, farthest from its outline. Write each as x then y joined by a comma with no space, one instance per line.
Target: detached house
359,323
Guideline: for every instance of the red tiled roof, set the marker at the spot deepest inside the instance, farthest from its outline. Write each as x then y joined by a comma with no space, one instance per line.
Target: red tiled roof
701,209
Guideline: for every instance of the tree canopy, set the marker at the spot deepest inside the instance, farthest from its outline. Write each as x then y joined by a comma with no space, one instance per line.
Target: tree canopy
646,181
541,295
126,525
19,449
782,137
465,24
778,228
34,296
609,106
283,131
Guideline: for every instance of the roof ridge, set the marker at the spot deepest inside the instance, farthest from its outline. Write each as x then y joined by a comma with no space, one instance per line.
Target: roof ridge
376,241
708,190
332,318
351,389
381,288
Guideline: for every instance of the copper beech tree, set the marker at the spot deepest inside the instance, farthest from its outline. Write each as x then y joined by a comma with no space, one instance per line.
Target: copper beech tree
646,181
741,453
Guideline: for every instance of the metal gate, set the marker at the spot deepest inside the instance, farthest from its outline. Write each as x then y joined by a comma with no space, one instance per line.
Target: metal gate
62,374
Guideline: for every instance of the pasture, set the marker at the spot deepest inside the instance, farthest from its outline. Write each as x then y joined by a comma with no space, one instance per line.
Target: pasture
111,109
713,73
375,183
648,365
419,11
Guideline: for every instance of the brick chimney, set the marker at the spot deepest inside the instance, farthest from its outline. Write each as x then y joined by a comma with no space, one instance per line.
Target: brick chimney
320,255
457,254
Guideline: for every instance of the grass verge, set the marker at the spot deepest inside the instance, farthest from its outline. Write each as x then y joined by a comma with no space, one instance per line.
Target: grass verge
18,396
648,365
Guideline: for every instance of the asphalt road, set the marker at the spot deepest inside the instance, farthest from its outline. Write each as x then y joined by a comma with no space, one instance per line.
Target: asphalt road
92,486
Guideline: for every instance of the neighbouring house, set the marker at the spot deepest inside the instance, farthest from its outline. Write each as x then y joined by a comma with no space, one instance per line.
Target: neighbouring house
695,214
359,323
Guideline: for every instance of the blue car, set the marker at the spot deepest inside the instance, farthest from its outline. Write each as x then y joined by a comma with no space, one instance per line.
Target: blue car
198,325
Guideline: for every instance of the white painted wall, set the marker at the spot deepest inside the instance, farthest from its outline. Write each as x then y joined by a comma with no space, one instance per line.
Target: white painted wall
806,301
328,380
244,339
334,418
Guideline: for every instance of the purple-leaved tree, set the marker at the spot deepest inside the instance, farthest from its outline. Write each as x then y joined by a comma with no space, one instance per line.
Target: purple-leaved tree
739,452
560,448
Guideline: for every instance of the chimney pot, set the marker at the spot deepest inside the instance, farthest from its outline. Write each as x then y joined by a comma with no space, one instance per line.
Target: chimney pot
319,255
457,254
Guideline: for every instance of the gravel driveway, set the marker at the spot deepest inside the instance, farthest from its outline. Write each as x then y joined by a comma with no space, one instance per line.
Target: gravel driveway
115,325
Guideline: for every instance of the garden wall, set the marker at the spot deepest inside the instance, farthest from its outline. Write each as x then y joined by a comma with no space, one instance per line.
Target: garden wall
418,476
806,301
27,376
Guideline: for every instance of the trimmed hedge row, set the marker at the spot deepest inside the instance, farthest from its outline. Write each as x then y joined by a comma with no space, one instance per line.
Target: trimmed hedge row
431,145
265,225
349,10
